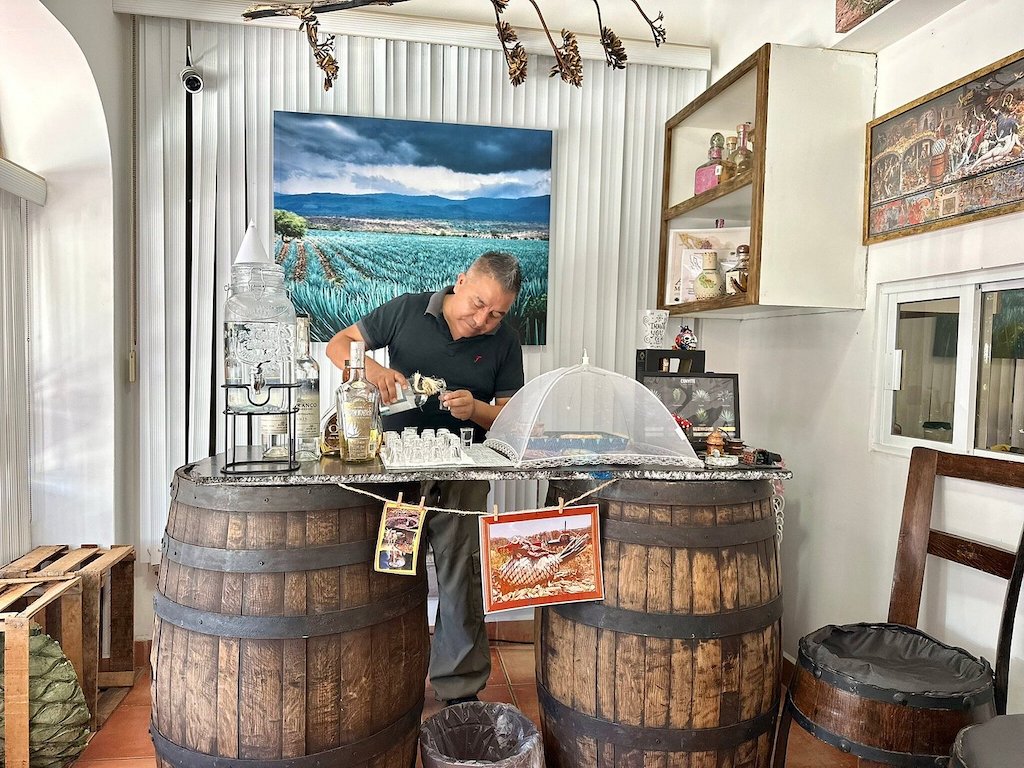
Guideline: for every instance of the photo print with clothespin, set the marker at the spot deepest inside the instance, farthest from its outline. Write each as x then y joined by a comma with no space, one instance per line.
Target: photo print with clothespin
398,540
541,557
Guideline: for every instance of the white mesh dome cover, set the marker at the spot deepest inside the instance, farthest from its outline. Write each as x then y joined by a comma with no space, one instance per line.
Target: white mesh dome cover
584,415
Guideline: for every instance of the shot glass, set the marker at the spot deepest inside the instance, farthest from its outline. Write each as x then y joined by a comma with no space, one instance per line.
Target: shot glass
466,433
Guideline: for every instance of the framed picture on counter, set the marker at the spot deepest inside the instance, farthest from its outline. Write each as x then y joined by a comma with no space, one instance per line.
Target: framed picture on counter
706,400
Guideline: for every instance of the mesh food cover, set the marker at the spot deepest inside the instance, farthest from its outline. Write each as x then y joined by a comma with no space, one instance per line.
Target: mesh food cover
584,415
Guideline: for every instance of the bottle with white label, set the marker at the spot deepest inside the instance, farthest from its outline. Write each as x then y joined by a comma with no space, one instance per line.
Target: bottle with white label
307,376
358,410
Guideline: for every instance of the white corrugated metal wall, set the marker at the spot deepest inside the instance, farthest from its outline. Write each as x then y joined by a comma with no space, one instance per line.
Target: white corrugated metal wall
606,187
15,506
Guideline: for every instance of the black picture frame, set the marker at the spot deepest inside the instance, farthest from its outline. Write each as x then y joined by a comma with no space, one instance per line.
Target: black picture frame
664,361
706,400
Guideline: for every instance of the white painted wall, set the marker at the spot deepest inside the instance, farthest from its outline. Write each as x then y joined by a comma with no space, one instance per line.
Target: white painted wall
54,124
807,382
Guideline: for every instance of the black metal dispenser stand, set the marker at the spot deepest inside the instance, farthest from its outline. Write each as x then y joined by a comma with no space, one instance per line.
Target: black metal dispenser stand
247,466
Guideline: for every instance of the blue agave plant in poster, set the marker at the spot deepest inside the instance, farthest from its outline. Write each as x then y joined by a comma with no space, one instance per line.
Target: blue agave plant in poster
367,209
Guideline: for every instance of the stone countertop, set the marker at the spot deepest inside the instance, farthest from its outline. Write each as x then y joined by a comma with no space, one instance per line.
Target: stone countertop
332,471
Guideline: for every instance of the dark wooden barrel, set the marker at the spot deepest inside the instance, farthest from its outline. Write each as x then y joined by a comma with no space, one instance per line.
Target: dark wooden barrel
680,664
275,641
876,716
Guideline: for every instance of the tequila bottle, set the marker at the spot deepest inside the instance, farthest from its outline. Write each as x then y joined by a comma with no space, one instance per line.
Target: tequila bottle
742,158
358,410
307,376
715,170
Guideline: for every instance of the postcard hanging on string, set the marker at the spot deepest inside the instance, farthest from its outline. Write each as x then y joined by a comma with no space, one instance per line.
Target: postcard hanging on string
398,540
541,557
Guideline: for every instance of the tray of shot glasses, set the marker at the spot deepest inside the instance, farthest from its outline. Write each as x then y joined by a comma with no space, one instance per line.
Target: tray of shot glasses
418,449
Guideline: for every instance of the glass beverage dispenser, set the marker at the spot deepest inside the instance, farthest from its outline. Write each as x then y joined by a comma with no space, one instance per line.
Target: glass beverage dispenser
259,332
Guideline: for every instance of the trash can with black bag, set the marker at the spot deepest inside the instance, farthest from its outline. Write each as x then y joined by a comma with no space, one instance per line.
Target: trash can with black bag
480,734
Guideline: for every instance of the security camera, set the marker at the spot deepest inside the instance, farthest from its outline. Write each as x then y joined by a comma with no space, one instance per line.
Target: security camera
191,80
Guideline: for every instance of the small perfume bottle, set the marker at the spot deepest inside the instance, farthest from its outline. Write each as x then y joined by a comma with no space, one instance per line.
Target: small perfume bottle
715,170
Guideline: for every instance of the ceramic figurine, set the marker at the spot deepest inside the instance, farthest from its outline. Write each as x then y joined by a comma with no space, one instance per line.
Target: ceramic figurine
686,339
716,443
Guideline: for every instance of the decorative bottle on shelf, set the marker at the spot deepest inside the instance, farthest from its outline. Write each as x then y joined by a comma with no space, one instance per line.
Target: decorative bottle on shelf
736,278
709,284
307,375
742,158
259,331
358,410
715,170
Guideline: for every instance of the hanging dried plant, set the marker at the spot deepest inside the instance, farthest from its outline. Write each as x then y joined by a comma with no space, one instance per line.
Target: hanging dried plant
515,54
657,25
568,64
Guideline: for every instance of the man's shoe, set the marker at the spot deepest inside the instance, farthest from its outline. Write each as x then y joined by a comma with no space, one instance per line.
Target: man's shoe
461,700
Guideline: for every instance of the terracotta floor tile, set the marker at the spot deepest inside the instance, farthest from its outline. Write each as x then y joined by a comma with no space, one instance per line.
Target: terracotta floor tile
519,664
526,700
497,675
500,693
139,695
124,762
125,734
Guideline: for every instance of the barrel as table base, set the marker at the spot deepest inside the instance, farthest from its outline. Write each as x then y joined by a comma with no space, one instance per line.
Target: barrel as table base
276,643
680,665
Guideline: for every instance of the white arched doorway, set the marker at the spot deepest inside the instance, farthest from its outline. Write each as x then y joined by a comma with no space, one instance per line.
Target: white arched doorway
52,121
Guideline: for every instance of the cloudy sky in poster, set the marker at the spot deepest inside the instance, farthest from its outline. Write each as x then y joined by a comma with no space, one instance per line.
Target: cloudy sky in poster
363,155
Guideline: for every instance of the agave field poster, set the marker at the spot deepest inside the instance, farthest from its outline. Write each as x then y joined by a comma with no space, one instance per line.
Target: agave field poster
366,209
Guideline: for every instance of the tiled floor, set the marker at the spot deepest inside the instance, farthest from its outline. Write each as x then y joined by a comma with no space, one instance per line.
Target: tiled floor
124,741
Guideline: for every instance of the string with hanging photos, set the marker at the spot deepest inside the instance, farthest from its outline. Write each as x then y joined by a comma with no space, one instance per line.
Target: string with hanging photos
561,503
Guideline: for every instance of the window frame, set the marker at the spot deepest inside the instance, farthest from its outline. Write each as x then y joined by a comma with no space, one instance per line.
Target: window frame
968,288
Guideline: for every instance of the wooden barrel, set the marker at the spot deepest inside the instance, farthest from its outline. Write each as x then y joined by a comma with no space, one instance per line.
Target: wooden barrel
275,643
888,693
680,664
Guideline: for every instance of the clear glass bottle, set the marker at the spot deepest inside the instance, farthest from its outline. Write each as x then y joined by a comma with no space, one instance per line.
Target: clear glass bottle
359,410
742,158
307,376
715,170
259,331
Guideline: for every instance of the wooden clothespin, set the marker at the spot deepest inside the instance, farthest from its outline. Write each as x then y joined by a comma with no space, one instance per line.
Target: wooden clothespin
561,505
423,504
399,501
495,510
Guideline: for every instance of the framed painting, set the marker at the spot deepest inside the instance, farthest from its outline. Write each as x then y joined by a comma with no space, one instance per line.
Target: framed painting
953,156
707,400
541,557
850,13
366,209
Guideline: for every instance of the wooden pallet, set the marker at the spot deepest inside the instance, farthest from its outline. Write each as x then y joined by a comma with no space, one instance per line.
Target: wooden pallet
41,593
103,572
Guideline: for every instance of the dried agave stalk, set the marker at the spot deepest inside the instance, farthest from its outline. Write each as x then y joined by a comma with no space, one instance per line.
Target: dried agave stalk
657,24
614,52
515,54
568,64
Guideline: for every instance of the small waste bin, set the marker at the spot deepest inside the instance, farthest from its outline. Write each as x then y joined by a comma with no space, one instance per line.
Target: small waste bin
480,734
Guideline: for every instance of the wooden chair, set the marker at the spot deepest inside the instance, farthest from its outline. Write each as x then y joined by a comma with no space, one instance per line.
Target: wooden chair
888,693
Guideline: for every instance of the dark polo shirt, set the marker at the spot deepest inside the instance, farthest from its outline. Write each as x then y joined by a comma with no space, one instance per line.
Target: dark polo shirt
417,336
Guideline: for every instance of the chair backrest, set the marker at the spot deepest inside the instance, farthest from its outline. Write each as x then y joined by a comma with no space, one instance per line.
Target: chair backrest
918,540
